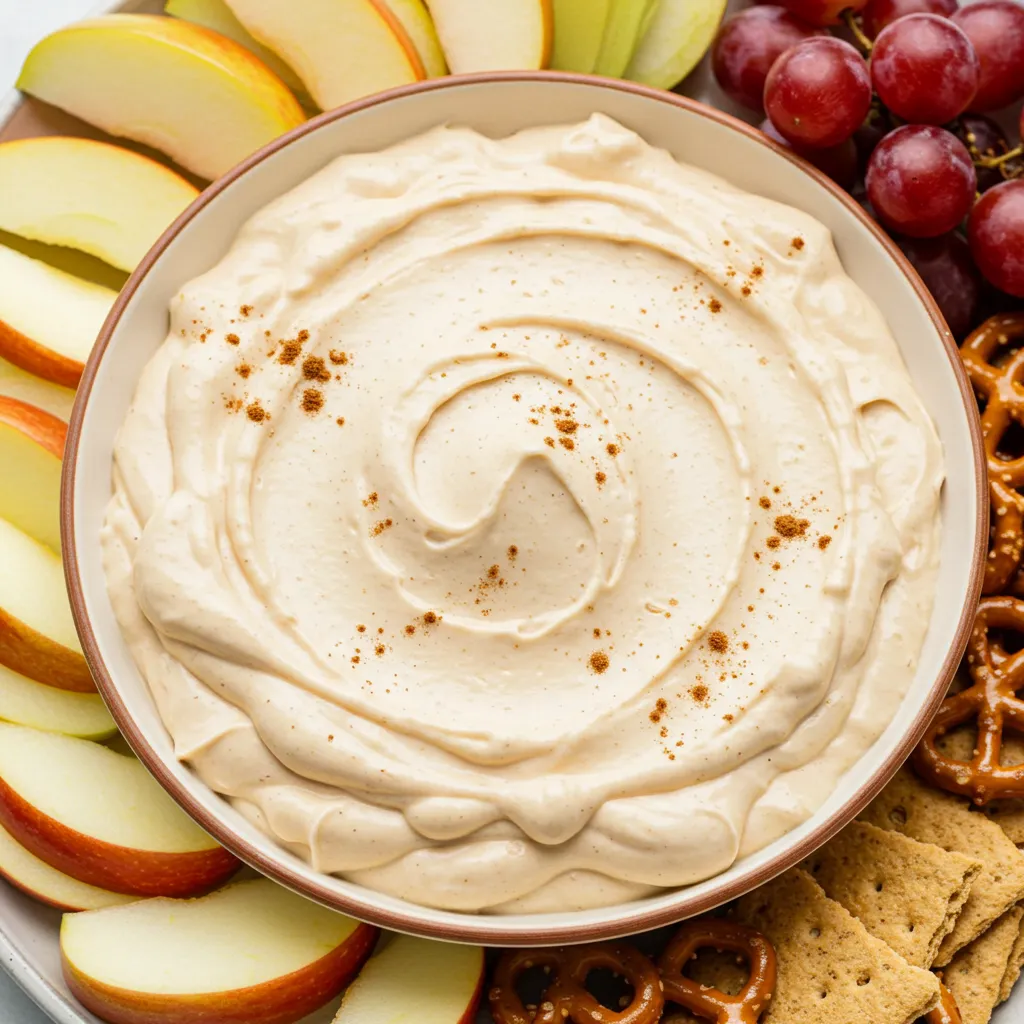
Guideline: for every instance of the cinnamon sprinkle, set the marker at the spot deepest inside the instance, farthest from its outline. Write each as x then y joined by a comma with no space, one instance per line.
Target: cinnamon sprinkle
256,412
312,401
790,526
314,368
599,662
718,642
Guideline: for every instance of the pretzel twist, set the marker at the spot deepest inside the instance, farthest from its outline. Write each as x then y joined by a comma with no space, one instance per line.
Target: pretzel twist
946,1011
992,702
566,997
1000,383
709,1003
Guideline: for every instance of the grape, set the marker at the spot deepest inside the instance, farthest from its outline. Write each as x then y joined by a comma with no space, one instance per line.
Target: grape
946,267
838,162
921,181
996,29
880,13
822,12
987,138
924,69
818,92
748,44
996,234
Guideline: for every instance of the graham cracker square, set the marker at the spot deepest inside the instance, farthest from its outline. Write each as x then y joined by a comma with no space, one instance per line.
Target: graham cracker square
929,815
906,893
1013,968
831,969
975,975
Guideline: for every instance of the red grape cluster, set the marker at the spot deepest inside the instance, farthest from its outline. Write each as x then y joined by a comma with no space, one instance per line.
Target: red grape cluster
893,109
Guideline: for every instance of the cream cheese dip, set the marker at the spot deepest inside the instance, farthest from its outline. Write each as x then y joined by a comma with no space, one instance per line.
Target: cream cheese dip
525,525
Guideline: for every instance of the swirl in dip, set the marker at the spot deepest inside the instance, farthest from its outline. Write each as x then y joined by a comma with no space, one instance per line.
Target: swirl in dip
527,524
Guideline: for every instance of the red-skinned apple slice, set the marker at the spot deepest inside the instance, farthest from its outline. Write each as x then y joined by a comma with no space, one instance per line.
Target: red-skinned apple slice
102,199
195,95
37,879
499,36
26,702
101,818
31,450
252,953
48,319
27,387
37,633
416,981
341,49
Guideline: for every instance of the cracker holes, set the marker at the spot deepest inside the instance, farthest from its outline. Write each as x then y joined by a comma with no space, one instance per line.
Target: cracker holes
815,933
879,886
898,816
864,979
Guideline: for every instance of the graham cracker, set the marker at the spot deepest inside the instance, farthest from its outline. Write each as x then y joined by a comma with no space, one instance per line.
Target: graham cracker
975,975
929,815
830,967
906,893
1013,968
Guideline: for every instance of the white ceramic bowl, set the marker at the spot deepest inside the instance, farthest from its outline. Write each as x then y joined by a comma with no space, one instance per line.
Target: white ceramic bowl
499,104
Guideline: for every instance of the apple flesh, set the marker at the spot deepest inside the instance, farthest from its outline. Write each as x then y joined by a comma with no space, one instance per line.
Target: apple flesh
102,818
217,16
48,319
497,36
416,981
341,49
37,632
27,387
26,702
627,23
31,449
47,885
681,32
104,200
419,27
197,96
579,29
253,953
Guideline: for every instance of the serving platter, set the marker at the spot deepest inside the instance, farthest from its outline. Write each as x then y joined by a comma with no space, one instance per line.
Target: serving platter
29,931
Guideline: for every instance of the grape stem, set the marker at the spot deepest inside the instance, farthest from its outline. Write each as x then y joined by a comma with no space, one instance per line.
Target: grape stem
853,24
998,161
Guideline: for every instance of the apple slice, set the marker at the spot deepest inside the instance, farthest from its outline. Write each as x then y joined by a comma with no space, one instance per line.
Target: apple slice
195,95
341,49
27,387
217,16
627,23
416,981
26,702
681,32
253,953
102,818
419,27
88,195
579,29
31,450
37,633
48,319
497,36
37,879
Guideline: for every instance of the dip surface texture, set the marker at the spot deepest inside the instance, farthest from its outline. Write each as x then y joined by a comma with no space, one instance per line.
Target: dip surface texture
525,525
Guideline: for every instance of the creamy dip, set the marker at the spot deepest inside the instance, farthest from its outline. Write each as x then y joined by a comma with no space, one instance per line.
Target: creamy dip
527,524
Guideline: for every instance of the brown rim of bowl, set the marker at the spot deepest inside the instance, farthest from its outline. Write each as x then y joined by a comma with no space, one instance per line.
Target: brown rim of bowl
472,928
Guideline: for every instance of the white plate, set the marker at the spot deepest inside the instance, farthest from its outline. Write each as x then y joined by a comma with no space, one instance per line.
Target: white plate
29,931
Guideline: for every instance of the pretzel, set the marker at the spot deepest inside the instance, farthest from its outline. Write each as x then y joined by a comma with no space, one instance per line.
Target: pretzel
566,997
991,700
1000,385
709,1003
946,1011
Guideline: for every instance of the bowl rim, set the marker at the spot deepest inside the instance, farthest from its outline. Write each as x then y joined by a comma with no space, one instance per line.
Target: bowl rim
466,927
